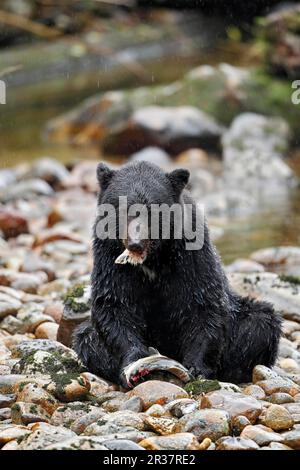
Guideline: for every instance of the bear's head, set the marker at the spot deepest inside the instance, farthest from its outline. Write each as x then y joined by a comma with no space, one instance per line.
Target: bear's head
135,201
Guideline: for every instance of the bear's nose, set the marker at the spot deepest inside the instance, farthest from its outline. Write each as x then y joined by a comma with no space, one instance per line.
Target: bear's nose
136,246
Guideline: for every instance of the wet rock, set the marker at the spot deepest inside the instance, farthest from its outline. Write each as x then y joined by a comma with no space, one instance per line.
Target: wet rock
289,327
182,407
8,383
289,365
210,423
124,418
30,347
7,400
33,263
78,443
276,446
55,289
161,425
22,281
279,385
112,430
236,443
155,126
283,258
28,189
133,404
42,435
32,318
193,158
115,404
11,445
5,414
252,151
235,404
121,444
157,392
278,418
34,394
54,310
66,415
156,410
12,432
244,266
260,434
76,311
98,386
81,423
153,155
46,330
280,398
292,438
263,373
12,223
4,353
69,387
294,410
238,423
285,296
183,441
25,413
49,170
255,391
46,363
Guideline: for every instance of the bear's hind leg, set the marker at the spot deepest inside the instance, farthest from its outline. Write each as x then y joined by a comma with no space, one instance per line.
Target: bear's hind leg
254,340
93,352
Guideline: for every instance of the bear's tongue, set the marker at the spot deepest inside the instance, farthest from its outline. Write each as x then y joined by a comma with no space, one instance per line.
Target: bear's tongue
129,257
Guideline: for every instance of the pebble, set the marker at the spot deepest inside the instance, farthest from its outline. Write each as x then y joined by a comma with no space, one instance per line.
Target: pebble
67,414
33,393
157,392
161,425
260,434
13,432
280,398
46,330
279,385
236,443
183,441
292,438
278,418
42,435
236,404
211,423
25,413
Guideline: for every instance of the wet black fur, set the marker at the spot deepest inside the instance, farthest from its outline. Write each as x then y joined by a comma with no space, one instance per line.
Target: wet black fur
188,312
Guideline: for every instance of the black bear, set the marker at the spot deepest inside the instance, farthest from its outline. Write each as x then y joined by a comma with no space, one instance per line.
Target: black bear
174,299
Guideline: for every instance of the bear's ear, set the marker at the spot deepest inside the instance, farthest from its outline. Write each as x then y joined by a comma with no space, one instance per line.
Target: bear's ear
179,179
104,175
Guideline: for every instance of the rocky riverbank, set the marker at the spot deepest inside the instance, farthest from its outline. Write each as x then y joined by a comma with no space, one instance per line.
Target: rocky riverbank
48,400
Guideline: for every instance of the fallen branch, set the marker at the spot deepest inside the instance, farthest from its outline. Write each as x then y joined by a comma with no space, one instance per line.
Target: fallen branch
17,21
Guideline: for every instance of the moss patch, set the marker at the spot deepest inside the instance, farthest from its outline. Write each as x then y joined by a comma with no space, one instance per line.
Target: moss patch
289,278
200,386
76,292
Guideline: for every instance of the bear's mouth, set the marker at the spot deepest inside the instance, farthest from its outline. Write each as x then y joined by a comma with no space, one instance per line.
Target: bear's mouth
131,257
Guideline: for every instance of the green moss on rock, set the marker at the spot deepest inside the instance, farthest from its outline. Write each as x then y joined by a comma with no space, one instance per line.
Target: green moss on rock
200,386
